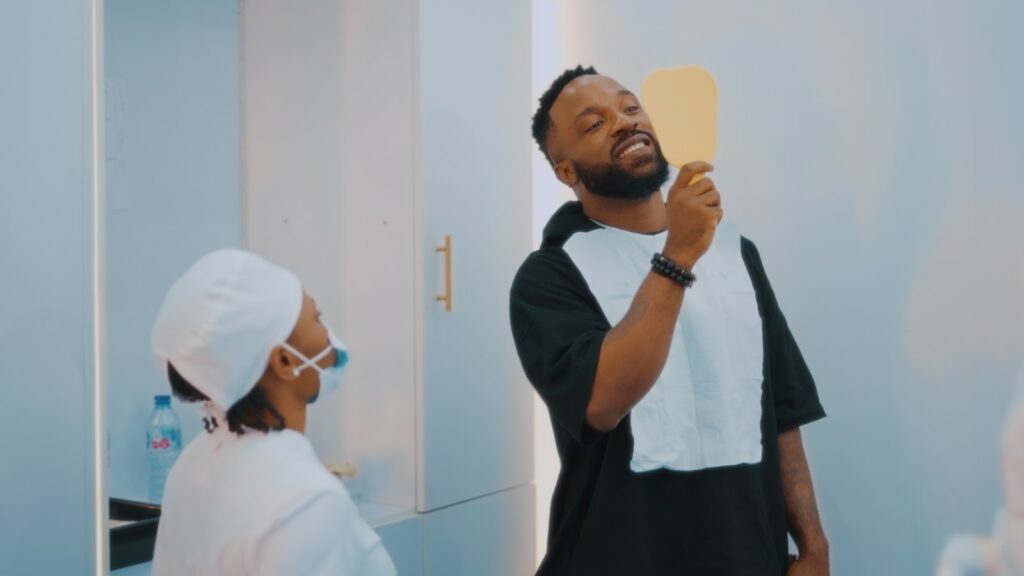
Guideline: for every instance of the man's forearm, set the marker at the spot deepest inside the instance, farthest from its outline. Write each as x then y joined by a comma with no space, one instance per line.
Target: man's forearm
798,491
634,352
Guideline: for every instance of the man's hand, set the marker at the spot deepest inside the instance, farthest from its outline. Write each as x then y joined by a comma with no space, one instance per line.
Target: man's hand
809,565
694,211
634,350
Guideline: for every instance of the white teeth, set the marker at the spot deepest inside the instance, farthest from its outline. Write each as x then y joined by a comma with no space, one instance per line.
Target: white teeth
632,148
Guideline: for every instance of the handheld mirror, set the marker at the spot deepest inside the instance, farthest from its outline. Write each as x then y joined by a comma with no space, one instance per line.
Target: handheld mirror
683,106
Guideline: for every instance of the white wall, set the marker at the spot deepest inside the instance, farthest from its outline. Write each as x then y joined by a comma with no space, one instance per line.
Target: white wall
872,150
49,497
173,190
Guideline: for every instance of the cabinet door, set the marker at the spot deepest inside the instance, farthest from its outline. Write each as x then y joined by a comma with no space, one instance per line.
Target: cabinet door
491,535
404,543
475,177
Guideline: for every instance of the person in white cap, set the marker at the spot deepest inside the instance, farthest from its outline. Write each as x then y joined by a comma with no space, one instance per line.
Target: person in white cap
1002,552
238,334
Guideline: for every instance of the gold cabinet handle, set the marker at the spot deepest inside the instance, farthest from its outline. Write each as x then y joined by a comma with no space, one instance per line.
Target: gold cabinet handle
446,249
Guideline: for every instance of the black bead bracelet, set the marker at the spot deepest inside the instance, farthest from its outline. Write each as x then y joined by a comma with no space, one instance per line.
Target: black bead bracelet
669,269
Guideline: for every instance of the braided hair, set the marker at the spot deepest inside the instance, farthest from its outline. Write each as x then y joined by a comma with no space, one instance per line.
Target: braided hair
248,412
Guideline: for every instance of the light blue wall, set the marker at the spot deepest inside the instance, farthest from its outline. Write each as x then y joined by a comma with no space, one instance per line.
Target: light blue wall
47,449
173,189
873,151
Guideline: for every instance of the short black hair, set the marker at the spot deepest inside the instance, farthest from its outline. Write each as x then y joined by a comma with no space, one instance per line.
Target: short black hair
246,413
542,118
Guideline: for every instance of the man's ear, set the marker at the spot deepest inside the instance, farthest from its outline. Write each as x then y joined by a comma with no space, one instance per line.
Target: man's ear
282,364
566,173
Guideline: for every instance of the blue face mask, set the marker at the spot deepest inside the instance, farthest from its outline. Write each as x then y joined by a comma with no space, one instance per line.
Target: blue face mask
330,378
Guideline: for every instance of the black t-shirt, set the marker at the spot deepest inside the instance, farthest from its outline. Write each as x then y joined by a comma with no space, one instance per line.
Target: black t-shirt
607,519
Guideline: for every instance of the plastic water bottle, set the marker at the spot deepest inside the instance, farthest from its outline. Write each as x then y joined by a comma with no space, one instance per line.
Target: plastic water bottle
163,445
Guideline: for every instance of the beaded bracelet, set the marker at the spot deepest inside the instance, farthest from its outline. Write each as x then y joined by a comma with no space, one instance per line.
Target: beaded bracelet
669,269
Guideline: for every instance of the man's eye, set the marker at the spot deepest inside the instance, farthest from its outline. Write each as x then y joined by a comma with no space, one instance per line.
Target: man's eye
595,125
632,109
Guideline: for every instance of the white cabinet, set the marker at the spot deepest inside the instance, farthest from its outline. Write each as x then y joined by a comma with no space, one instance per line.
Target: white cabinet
403,540
474,186
482,536
371,132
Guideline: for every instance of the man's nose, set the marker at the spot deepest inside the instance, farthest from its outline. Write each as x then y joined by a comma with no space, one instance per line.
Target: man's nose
623,123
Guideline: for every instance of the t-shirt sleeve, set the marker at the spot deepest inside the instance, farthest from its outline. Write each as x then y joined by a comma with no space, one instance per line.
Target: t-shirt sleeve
558,329
793,389
324,535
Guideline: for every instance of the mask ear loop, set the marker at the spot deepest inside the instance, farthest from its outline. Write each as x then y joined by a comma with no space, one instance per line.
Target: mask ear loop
307,361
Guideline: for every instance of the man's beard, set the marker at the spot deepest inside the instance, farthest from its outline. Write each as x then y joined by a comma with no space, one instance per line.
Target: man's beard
613,181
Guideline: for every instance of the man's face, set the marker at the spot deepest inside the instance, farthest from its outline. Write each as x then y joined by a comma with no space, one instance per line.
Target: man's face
601,130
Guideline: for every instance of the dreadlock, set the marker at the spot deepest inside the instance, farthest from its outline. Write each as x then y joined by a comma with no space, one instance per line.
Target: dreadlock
247,412
542,118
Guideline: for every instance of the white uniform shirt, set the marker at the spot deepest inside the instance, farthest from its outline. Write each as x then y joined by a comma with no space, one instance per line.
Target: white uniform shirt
261,504
1010,521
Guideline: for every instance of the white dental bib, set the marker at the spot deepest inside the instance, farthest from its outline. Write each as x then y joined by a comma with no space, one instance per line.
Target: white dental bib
704,411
